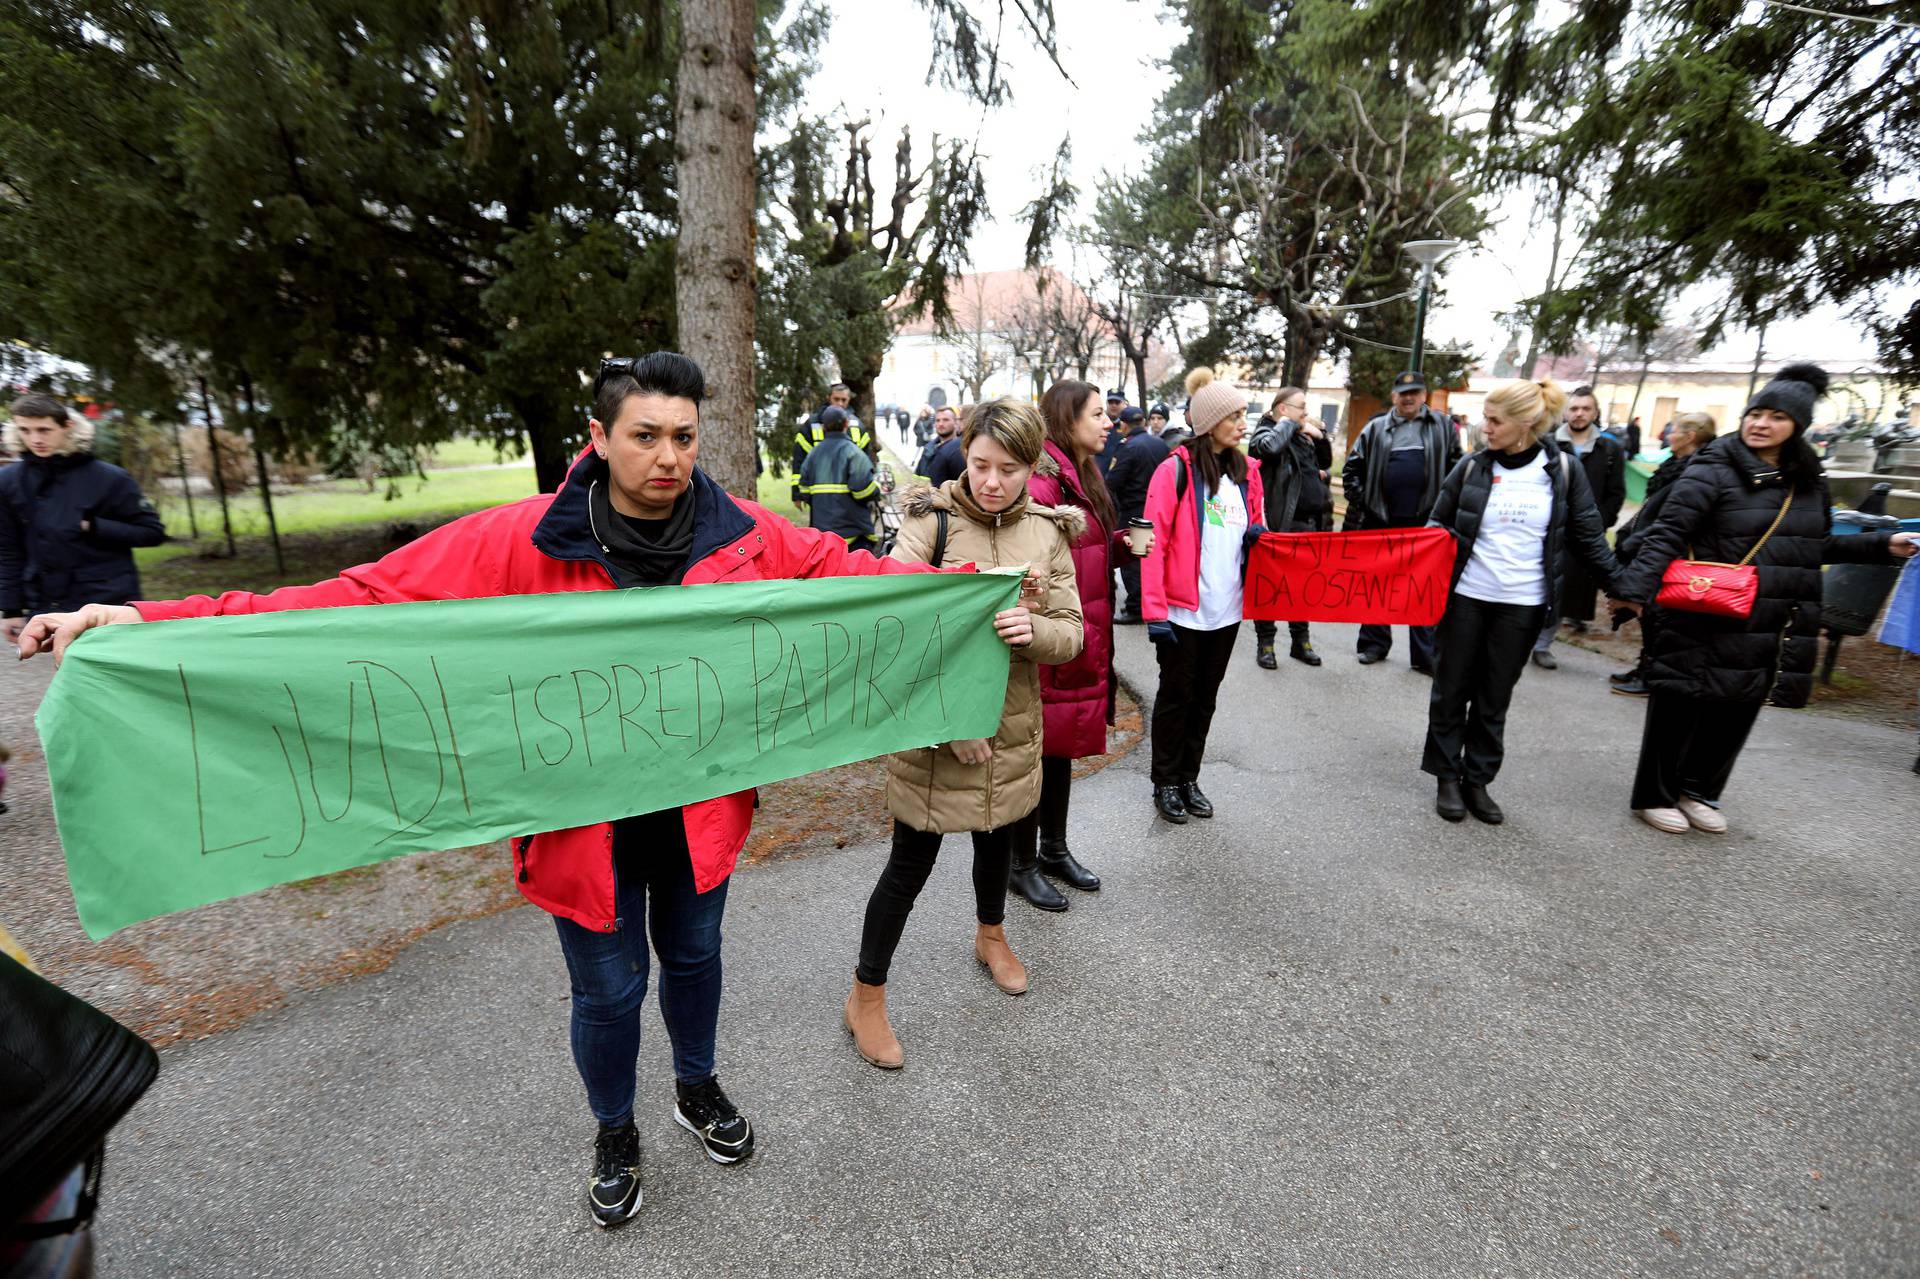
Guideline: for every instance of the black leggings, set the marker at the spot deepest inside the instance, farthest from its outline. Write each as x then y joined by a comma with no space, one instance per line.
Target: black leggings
1190,675
1048,821
906,874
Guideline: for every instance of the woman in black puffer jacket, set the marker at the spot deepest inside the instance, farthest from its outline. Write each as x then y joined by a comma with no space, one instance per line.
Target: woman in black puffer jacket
1708,676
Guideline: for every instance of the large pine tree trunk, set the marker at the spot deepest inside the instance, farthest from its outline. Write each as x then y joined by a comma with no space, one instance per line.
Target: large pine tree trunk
714,290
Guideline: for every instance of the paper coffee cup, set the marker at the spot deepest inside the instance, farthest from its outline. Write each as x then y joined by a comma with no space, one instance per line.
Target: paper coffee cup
1139,533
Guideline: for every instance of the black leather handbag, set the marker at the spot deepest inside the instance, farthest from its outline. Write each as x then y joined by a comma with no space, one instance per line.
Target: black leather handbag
68,1072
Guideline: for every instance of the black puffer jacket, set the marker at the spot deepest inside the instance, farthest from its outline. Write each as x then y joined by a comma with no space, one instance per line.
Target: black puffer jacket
47,564
1721,505
1573,527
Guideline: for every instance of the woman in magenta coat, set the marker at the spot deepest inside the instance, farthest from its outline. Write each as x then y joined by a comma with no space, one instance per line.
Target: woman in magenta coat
1077,695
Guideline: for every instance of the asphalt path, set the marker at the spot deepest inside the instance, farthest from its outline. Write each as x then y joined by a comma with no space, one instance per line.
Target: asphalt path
1323,1034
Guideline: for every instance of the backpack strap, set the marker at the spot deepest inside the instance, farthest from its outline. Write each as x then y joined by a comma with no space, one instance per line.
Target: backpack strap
939,536
1179,479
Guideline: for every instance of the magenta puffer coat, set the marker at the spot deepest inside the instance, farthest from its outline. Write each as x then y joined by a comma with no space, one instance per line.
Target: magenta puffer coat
1078,695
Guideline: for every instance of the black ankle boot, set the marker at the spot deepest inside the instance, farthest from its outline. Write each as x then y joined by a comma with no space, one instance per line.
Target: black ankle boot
1026,881
1448,802
1481,804
1056,860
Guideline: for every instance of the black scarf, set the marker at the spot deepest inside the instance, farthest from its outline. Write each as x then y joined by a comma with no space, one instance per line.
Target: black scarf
1514,461
643,552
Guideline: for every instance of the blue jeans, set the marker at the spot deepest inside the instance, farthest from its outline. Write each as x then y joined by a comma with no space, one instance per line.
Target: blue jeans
653,880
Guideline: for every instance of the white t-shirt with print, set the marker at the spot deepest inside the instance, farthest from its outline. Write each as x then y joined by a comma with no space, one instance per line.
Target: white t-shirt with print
1223,527
1508,564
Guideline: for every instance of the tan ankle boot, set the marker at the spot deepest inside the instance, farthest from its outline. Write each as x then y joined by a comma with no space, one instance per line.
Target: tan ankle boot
866,1020
991,949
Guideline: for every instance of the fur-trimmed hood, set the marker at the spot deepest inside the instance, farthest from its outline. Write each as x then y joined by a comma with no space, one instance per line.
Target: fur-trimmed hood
79,438
952,496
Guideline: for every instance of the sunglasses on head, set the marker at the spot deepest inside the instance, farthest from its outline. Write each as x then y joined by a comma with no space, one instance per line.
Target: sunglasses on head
625,365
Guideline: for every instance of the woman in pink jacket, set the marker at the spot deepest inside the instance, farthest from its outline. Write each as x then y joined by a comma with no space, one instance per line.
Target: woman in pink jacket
1205,503
1077,695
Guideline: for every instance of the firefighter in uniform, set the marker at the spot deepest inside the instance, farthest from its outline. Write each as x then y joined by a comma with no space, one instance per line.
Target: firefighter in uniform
837,483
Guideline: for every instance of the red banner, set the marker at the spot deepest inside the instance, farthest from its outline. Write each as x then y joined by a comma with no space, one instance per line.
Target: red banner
1390,577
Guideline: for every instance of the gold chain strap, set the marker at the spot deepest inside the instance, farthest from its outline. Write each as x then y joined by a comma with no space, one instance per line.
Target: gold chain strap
1769,533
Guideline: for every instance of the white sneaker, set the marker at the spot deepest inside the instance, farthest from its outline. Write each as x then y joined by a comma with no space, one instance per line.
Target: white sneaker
1671,820
1703,816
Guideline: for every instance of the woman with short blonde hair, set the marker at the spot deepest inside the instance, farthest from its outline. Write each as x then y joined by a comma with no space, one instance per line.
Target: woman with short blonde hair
1512,507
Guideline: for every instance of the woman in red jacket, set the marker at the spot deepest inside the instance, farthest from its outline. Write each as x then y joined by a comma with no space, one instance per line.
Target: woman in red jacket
1077,695
635,511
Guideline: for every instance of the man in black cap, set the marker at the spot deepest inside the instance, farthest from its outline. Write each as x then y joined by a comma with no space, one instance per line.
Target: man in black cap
1157,418
1116,405
1140,454
1391,480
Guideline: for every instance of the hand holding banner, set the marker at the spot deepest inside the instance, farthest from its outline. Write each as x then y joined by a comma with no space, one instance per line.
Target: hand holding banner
204,758
1389,577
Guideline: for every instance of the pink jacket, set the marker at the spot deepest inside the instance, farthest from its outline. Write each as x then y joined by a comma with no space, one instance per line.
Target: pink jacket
1078,695
1170,575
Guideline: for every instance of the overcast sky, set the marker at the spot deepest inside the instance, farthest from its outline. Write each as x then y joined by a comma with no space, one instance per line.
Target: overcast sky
875,65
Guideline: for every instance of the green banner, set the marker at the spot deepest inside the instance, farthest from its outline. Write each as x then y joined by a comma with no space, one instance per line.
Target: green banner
204,758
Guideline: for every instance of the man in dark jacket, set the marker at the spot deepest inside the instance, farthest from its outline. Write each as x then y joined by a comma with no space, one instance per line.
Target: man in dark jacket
946,430
68,521
948,462
1110,447
1391,479
1295,457
1140,453
1606,466
837,484
839,396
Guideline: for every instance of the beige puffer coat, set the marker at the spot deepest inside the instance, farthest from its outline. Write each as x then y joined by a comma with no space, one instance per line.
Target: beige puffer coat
930,789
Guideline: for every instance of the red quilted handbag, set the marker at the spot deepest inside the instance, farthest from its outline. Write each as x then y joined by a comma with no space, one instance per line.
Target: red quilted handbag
1720,590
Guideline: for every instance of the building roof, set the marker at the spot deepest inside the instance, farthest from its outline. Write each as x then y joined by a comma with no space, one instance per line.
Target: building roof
988,300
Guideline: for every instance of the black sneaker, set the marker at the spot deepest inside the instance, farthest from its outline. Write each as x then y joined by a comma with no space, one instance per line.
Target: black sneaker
614,1192
703,1110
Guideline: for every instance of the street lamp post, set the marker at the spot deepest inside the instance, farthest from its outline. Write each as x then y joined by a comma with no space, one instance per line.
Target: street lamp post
1428,254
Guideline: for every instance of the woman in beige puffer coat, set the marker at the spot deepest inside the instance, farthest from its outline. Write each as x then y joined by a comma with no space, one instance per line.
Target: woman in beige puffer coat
981,787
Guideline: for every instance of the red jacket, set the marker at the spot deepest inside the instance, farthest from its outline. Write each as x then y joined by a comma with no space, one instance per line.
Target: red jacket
1171,573
1078,695
543,544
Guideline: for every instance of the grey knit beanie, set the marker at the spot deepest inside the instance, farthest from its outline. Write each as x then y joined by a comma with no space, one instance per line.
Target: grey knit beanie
1794,391
1209,401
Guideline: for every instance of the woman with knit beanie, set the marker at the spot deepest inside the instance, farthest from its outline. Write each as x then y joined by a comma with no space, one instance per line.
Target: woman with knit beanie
1078,694
1518,509
980,786
1205,503
1759,496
